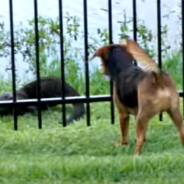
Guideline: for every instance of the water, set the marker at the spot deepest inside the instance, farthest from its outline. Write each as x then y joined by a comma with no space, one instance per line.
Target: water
97,18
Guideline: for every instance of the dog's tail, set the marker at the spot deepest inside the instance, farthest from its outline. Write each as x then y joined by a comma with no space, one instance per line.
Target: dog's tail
140,56
78,108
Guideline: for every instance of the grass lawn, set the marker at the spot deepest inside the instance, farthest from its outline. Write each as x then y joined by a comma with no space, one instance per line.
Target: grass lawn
78,154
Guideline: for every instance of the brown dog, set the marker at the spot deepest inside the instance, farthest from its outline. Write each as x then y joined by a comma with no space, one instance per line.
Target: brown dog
140,92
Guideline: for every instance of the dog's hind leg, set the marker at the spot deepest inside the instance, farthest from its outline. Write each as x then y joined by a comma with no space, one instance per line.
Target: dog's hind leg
175,115
141,128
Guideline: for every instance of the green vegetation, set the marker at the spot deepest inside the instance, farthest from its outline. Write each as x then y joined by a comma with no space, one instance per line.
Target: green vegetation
49,50
80,154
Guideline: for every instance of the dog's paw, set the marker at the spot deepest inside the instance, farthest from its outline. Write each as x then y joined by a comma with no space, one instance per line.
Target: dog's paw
120,143
137,153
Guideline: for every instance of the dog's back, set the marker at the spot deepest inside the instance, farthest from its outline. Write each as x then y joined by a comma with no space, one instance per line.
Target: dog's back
125,75
130,79
127,83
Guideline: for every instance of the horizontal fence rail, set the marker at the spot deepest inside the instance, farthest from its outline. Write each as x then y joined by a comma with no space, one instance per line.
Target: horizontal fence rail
66,100
92,98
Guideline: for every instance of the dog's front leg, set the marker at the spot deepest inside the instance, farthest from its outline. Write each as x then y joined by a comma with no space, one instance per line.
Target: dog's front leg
123,119
124,126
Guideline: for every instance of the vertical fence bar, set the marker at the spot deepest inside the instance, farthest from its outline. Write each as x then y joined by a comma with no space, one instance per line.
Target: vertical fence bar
13,64
135,22
62,59
182,27
37,62
110,42
86,58
159,32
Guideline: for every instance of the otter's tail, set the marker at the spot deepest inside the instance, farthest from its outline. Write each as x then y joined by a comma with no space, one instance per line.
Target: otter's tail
78,112
78,108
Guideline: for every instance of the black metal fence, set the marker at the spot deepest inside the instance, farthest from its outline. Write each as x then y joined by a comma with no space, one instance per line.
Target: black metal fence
85,99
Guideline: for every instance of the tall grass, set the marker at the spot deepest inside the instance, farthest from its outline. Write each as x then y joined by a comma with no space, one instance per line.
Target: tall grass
82,154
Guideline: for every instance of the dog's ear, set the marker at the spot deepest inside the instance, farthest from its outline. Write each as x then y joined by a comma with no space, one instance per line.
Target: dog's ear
112,62
102,52
119,59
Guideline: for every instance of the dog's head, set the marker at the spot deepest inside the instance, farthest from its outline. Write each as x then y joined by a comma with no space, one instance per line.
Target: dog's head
114,58
103,53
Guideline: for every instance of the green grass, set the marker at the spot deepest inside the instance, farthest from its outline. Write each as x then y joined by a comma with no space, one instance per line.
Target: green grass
81,154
